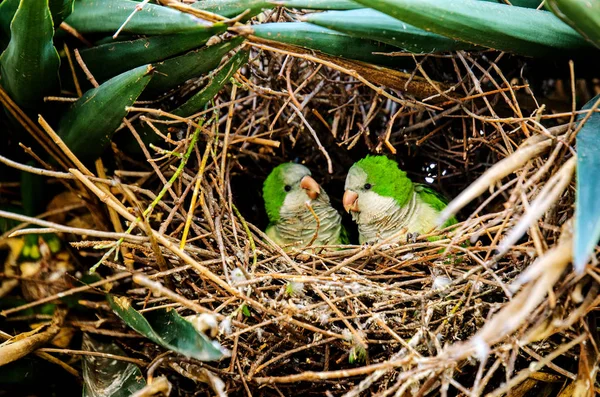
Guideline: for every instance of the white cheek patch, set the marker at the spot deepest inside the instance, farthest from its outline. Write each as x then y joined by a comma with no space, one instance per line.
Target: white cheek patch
371,203
295,201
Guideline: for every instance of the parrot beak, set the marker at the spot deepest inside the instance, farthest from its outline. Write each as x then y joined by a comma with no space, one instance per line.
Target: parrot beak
350,201
311,186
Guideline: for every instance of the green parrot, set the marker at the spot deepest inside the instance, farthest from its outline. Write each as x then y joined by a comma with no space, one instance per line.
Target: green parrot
287,191
383,201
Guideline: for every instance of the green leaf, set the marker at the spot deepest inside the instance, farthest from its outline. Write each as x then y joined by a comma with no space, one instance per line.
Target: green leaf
168,329
375,25
106,377
212,88
109,15
328,41
587,210
233,8
583,16
60,10
519,3
29,65
107,60
201,59
319,4
499,26
175,71
246,310
87,127
8,8
32,188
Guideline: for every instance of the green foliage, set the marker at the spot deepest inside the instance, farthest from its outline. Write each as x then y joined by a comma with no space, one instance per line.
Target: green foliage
60,10
8,8
32,187
375,25
87,127
328,41
168,329
498,26
233,8
320,4
108,15
184,67
172,72
246,310
29,65
583,16
519,3
587,210
358,354
386,178
217,81
111,59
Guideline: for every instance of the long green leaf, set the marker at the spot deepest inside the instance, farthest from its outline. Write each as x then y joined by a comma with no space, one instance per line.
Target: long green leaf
60,10
107,60
175,71
319,4
375,25
328,41
170,330
499,26
233,8
587,210
105,377
197,102
519,3
109,15
212,88
29,65
8,8
87,127
583,16
32,188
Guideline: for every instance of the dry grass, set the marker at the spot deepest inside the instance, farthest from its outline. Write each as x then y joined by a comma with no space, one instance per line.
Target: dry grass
468,314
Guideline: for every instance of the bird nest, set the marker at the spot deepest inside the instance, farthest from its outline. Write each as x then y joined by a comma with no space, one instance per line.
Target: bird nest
490,306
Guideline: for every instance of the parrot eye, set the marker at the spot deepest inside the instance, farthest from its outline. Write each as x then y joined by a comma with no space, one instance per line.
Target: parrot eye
367,186
287,188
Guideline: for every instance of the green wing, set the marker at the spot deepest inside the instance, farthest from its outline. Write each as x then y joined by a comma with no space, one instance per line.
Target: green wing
435,200
344,237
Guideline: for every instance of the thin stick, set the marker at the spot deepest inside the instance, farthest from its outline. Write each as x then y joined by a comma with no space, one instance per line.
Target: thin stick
61,144
141,363
72,291
67,229
315,137
226,138
137,8
197,185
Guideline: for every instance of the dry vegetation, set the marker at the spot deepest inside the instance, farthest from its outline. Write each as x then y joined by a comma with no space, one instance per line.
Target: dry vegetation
491,306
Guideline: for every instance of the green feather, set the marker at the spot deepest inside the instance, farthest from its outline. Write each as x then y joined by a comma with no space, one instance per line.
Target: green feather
274,193
435,200
344,237
386,178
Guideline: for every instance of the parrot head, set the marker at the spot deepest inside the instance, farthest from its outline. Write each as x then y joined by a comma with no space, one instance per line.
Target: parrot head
374,184
287,189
